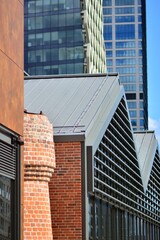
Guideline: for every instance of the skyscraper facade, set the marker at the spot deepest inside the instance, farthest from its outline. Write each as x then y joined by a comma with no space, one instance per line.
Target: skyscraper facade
64,37
125,42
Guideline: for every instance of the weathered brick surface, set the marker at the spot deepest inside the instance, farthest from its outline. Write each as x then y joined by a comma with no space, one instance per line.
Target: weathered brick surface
39,163
65,192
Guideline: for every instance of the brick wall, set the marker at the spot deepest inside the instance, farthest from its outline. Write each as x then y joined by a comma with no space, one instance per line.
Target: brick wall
65,192
39,163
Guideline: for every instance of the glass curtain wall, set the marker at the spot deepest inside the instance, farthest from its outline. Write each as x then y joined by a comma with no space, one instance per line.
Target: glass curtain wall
125,42
53,37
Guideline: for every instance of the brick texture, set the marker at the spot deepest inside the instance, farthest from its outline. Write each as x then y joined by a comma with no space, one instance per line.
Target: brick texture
39,163
65,192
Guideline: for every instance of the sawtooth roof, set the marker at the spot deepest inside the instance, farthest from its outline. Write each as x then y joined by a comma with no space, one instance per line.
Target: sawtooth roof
146,145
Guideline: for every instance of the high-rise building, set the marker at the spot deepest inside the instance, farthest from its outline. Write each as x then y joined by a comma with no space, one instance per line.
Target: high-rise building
125,42
64,37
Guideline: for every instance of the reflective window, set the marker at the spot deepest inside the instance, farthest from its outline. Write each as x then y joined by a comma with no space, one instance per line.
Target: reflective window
139,18
108,53
126,10
31,23
109,62
110,70
141,113
107,19
126,44
126,79
125,61
140,44
140,52
126,31
141,122
108,45
140,87
46,22
140,70
107,11
132,104
126,70
107,32
130,87
31,56
46,5
124,2
107,2
125,19
139,10
134,122
39,23
140,61
31,40
140,31
141,105
132,113
54,54
31,7
39,6
125,53
5,207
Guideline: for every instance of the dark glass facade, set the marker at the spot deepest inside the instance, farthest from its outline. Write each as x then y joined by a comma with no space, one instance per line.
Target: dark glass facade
53,37
5,207
125,42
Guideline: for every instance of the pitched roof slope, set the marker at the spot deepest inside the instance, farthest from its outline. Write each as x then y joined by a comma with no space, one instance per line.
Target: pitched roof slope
74,104
146,145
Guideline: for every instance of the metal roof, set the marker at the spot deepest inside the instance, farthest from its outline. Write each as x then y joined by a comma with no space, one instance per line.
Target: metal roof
146,145
74,104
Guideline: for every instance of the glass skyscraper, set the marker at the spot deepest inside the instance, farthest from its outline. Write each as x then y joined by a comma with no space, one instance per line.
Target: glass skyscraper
125,42
64,37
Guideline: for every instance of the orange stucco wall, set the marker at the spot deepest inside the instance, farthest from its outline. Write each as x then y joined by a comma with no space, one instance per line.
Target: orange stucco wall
11,64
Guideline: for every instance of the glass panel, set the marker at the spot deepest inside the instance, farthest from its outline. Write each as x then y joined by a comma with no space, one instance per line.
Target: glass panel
39,22
124,2
125,31
107,2
31,7
125,18
107,11
126,10
39,6
46,5
107,32
31,23
125,44
5,208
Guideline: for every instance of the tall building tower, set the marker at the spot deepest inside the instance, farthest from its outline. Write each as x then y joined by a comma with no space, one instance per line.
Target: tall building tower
64,37
125,42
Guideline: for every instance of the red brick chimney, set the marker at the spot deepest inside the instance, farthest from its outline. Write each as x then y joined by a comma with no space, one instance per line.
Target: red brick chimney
39,163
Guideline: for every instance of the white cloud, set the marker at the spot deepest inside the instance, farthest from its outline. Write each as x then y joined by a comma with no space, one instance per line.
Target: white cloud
154,124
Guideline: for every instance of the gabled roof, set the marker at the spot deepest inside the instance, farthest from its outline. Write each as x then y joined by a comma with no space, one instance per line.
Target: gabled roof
146,144
75,104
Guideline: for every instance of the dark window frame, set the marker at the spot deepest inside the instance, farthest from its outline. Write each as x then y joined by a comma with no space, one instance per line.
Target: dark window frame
11,139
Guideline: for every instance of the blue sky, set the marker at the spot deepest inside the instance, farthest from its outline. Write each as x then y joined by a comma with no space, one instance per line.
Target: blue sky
153,59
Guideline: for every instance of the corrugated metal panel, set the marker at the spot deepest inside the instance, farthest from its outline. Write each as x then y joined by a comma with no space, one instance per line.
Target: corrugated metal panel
70,103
